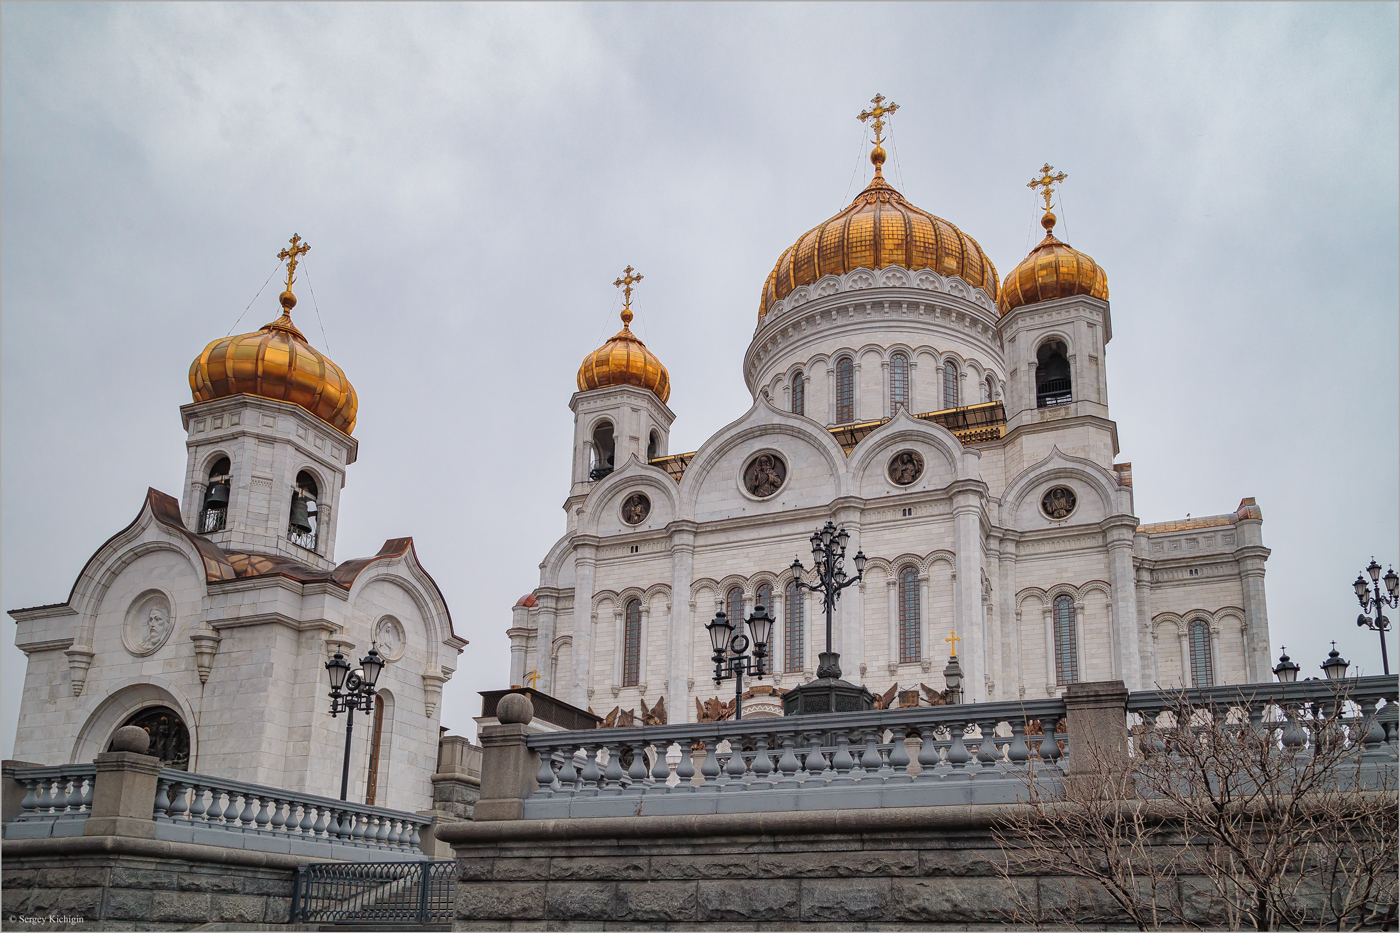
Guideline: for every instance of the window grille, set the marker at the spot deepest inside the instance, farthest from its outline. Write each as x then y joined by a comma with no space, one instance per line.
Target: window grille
734,606
632,643
793,647
799,395
1066,649
899,383
950,384
910,634
845,391
1202,675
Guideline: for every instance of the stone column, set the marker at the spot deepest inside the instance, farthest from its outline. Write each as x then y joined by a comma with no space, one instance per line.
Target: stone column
1097,722
124,787
831,393
967,604
1119,531
1080,660
619,633
892,599
925,626
1050,674
816,633
642,647
1185,640
1147,640
585,562
913,399
679,663
856,413
1010,620
1256,616
518,644
885,386
544,639
991,626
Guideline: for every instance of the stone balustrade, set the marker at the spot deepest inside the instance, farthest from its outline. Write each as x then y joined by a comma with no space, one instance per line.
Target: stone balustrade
57,800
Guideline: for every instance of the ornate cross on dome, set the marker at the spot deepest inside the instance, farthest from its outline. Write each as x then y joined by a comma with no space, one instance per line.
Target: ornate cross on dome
1047,182
878,114
952,641
291,256
625,283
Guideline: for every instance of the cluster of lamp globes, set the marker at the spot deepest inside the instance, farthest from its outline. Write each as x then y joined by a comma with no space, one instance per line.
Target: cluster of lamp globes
354,689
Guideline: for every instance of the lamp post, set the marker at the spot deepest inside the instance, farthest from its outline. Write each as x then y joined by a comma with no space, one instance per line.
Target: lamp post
730,644
350,691
1335,667
828,693
1377,601
1286,671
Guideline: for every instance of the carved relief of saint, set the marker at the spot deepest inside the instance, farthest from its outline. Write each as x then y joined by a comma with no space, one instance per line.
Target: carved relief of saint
148,624
906,467
389,638
156,625
1058,502
765,475
635,509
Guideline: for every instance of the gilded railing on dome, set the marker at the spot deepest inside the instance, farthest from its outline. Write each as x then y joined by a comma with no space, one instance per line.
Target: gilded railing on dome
971,753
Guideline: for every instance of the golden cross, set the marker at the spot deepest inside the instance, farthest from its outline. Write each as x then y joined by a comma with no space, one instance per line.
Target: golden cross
626,283
1047,182
878,113
533,679
952,641
291,256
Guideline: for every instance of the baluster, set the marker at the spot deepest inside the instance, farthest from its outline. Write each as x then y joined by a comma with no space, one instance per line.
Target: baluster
929,757
247,816
987,747
611,783
67,794
1049,748
788,763
162,804
842,762
1372,737
178,806
197,807
685,770
637,771
216,805
899,755
660,770
29,806
591,775
382,837
817,764
1294,736
736,768
352,826
568,774
1017,752
279,819
762,765
544,777
868,765
709,768
320,828
85,793
264,816
958,756
415,839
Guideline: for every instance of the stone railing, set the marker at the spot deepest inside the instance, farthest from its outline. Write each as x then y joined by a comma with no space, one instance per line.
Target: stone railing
214,811
57,800
975,753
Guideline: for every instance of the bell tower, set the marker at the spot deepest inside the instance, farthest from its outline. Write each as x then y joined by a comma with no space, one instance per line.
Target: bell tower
268,440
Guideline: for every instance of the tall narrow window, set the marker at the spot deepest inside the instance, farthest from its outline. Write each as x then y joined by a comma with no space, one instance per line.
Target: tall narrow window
910,630
950,384
763,596
632,643
799,394
845,391
734,606
1066,649
987,389
653,446
376,743
214,515
604,447
1202,674
899,383
1052,376
302,522
793,646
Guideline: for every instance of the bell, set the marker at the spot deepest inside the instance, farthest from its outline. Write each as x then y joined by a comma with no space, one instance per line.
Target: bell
217,497
301,521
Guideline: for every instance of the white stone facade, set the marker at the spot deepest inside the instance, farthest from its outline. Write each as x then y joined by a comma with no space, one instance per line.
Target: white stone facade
988,559
244,622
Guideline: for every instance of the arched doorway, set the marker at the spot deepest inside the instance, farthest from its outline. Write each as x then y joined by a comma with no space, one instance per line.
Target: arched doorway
170,738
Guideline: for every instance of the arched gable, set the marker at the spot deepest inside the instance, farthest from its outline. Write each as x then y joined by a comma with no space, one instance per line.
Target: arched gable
601,510
1094,487
941,451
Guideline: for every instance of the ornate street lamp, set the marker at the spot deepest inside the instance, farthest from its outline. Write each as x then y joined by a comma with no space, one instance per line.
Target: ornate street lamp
350,691
729,646
1335,667
828,693
1378,602
1286,671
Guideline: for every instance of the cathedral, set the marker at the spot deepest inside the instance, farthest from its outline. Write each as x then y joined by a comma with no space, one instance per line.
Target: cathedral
209,619
955,423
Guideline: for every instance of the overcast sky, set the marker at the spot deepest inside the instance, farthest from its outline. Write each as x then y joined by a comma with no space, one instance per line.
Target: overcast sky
473,178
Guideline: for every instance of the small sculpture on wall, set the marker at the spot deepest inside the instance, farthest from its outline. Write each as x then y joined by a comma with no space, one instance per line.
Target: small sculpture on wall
906,467
765,475
389,638
148,624
1058,502
635,509
713,710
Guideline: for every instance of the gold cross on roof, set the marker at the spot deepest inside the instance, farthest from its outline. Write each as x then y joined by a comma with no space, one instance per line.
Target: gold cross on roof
952,641
1047,182
878,114
625,283
533,679
292,255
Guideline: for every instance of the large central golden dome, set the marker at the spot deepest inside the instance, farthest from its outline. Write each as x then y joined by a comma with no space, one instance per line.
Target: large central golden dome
879,228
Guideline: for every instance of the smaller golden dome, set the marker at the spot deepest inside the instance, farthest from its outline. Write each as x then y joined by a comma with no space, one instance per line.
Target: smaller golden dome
1052,270
624,361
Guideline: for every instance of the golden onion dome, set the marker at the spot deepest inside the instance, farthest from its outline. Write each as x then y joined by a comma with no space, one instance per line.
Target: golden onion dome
1052,270
276,362
624,361
879,228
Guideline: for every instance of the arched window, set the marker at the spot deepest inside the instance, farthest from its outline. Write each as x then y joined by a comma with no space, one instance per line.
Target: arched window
632,643
376,745
214,515
170,738
910,630
950,384
1202,673
845,391
653,446
899,382
302,523
799,394
603,446
1066,648
1052,378
763,596
988,389
793,646
734,606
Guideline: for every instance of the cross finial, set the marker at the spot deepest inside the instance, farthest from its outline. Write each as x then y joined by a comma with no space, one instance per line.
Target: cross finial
533,678
952,641
298,248
1047,182
625,283
878,112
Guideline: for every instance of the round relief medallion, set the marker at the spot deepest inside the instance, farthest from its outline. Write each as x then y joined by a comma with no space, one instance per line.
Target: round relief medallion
765,475
906,467
636,508
1058,502
389,638
148,624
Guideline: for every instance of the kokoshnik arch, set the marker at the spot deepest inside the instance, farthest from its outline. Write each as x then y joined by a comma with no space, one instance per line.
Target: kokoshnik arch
957,424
